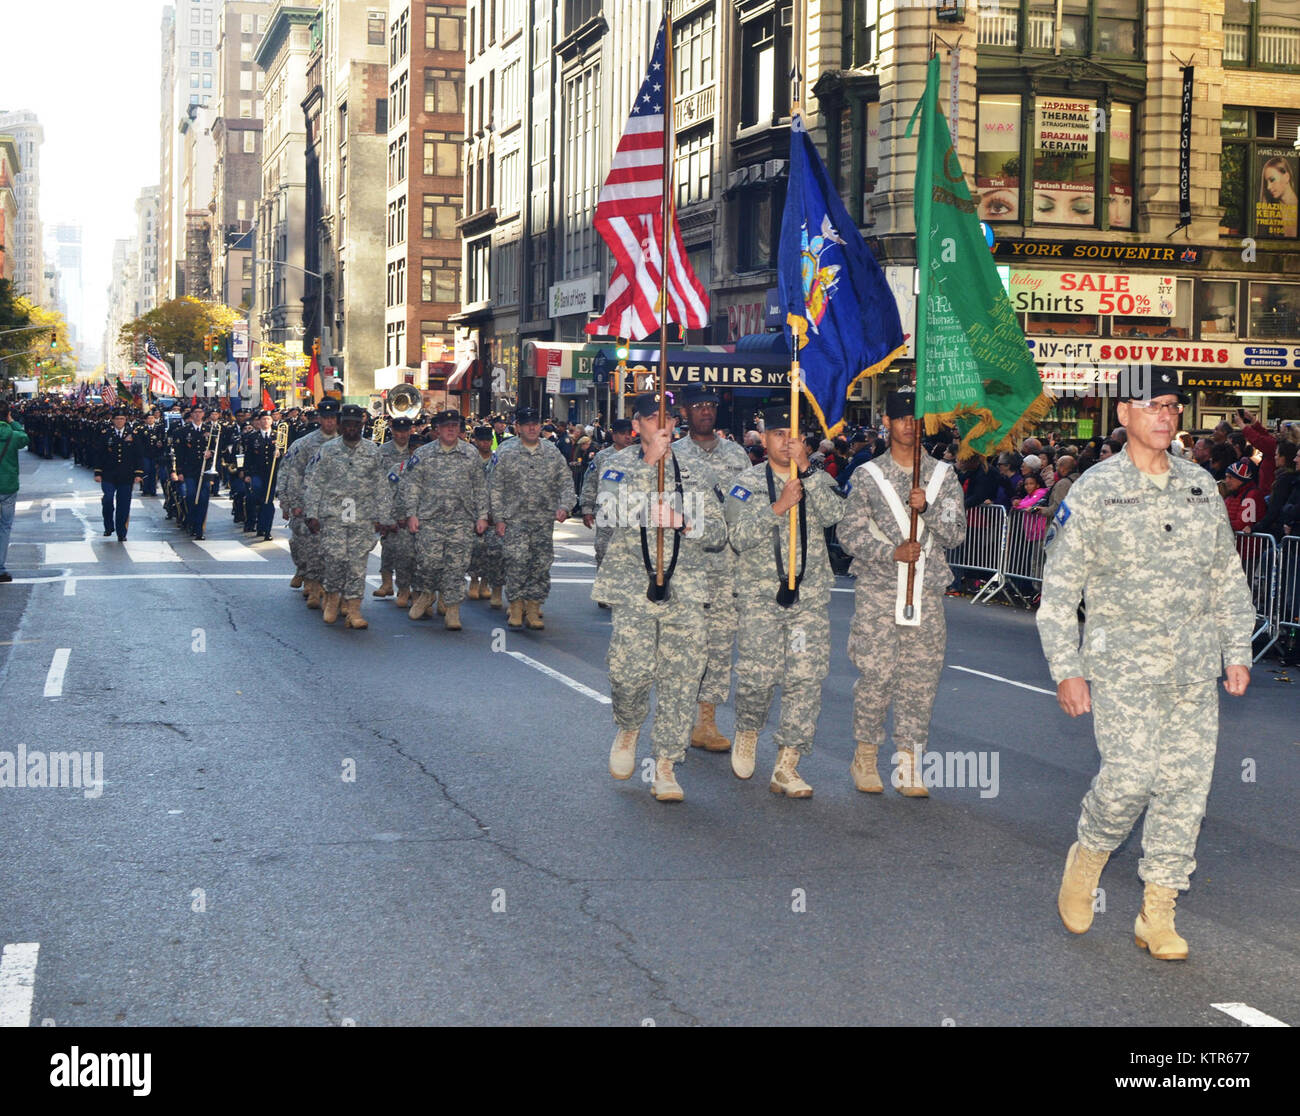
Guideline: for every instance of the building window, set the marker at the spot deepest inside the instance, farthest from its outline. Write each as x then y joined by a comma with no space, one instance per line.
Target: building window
441,155
509,182
759,215
439,280
397,98
442,91
375,29
505,268
246,109
512,93
1259,174
194,58
250,142
246,80
693,52
1261,34
1110,28
439,218
1274,311
442,29
858,36
694,171
764,81
478,258
581,182
1068,164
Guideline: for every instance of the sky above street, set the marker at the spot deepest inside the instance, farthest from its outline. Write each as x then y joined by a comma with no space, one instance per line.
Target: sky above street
90,70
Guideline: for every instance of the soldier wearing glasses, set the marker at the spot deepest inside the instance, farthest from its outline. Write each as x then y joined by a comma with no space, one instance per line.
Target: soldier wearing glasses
1144,541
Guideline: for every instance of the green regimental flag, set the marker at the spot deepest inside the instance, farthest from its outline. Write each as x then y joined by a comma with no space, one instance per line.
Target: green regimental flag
973,367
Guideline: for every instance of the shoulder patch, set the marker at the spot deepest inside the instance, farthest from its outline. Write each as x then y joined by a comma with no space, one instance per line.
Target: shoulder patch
614,475
1062,514
393,476
741,493
414,459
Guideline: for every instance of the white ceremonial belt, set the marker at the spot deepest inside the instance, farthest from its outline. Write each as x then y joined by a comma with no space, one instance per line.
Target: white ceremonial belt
902,517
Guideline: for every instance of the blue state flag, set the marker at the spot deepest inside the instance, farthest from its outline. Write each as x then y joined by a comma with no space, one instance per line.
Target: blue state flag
837,304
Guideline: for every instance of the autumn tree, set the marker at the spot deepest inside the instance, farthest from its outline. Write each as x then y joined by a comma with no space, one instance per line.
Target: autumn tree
178,328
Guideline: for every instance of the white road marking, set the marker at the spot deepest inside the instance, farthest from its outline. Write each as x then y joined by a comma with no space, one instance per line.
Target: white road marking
148,577
228,550
580,565
581,548
999,678
69,554
150,551
572,683
23,505
58,667
70,587
1250,1016
18,983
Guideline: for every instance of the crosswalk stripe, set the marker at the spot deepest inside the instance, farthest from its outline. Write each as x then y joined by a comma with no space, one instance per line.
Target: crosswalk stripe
150,551
18,983
69,553
228,550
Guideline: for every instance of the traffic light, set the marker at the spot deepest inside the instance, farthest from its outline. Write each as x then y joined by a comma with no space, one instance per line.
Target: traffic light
622,351
54,339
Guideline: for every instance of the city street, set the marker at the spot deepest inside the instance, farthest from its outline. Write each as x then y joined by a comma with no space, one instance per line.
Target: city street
300,824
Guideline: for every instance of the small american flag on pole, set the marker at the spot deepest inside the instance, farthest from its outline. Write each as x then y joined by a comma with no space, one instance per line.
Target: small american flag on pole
630,219
160,379
109,394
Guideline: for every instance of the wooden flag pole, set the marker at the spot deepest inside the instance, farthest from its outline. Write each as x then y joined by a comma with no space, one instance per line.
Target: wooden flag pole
796,110
661,380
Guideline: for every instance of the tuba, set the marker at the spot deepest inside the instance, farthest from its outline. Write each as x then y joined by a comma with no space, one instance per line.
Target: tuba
404,401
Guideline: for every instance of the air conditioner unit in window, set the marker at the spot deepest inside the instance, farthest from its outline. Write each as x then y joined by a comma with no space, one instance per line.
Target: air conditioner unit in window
737,178
787,16
774,167
756,172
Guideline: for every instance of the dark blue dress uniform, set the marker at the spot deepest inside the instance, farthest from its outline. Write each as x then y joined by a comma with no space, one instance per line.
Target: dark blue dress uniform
152,453
191,443
117,465
259,453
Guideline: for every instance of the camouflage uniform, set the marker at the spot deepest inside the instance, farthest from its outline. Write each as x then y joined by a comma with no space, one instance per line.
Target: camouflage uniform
898,663
304,547
587,501
655,643
786,647
717,468
347,490
486,560
528,487
1167,607
397,548
447,491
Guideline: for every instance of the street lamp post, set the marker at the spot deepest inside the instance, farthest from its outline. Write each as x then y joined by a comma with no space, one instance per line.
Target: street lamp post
320,287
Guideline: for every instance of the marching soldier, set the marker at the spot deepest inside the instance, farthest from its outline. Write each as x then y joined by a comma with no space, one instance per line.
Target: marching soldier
152,448
442,500
783,642
193,457
655,643
486,566
397,547
899,658
232,437
1145,538
716,462
344,503
621,431
117,467
260,483
303,546
532,490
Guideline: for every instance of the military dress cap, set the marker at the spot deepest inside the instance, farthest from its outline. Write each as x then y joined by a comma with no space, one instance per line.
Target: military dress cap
900,404
123,411
1158,382
449,415
621,426
697,394
402,424
526,414
328,406
483,434
352,412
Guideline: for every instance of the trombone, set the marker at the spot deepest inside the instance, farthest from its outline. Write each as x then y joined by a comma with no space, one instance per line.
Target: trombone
212,446
281,444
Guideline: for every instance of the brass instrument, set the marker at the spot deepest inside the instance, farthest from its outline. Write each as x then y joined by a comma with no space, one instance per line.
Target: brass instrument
213,446
404,401
281,444
378,430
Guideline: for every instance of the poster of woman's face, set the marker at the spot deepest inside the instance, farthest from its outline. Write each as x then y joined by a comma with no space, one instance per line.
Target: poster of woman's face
1278,208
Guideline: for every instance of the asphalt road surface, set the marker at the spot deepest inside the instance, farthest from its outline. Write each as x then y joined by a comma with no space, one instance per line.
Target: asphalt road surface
300,824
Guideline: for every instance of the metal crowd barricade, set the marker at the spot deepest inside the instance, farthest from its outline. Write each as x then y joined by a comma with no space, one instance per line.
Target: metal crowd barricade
984,548
1023,565
1259,560
1287,611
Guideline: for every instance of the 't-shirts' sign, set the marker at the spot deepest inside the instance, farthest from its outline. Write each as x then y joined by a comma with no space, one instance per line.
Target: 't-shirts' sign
1139,295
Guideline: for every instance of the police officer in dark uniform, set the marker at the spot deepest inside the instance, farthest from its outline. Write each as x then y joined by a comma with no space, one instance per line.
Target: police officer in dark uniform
117,465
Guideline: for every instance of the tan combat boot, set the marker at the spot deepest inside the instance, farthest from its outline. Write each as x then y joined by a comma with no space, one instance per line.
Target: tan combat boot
451,618
314,592
296,583
330,612
515,617
533,615
403,598
1154,930
705,734
785,779
472,592
744,753
420,606
496,596
909,783
1082,873
665,786
386,586
352,612
863,769
622,756
442,605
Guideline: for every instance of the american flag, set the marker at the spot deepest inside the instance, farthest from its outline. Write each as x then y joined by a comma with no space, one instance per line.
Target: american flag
109,394
629,216
160,379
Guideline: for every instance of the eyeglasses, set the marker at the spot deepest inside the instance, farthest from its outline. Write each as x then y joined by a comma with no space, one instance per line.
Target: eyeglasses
1154,406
